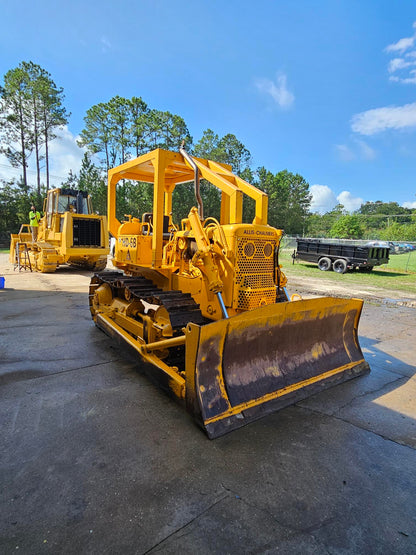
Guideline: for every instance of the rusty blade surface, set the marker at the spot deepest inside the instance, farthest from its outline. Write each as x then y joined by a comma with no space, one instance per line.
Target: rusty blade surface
260,361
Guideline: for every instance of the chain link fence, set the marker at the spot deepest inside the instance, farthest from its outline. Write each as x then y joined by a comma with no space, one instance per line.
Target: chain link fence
4,239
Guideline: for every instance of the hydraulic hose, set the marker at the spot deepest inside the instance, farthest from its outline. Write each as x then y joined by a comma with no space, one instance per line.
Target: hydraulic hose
222,305
191,162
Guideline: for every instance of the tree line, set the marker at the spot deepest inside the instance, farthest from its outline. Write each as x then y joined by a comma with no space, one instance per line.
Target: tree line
386,221
32,110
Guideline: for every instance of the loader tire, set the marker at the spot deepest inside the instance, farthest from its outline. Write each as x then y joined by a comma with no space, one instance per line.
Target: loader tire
324,264
340,266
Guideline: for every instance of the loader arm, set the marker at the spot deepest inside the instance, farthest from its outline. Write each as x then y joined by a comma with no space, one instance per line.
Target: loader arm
205,253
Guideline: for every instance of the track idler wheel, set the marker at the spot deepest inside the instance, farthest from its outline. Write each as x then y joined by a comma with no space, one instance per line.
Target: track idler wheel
101,296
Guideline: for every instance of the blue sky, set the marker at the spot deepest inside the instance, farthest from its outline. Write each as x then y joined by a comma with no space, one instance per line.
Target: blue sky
323,88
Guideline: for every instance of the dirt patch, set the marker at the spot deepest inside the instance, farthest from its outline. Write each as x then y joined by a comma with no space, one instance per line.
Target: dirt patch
305,286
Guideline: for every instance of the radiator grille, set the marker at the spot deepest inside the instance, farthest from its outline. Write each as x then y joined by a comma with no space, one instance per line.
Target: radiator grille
254,273
86,232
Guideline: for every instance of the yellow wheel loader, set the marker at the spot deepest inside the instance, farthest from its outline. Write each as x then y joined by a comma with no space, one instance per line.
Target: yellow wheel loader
205,305
68,233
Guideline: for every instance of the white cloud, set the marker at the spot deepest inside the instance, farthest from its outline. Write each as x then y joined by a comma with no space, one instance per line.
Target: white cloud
105,44
360,150
379,119
402,44
405,80
349,202
366,151
399,63
64,155
404,47
278,91
323,199
410,204
345,153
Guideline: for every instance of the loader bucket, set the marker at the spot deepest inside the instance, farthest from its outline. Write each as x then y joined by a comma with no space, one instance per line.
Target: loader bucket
242,368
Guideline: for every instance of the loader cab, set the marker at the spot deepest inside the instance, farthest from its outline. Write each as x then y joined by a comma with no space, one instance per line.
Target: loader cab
72,200
60,201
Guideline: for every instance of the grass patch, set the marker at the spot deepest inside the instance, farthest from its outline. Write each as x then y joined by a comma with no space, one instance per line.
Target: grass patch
405,262
386,276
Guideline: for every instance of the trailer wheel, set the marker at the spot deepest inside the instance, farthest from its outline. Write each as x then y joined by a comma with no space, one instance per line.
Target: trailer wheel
340,266
324,264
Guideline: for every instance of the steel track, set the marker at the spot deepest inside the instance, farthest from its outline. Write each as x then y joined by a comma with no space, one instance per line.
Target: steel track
181,307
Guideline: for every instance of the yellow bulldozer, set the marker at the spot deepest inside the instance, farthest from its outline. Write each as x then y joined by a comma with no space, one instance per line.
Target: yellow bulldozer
205,304
68,233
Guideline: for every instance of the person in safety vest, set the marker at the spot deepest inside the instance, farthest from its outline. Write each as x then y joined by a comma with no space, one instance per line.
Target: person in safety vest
34,218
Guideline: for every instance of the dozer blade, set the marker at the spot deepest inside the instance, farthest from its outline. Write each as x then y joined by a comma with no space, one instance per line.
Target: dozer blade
257,362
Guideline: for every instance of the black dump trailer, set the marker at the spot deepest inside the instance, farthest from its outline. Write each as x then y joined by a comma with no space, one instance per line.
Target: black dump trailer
340,257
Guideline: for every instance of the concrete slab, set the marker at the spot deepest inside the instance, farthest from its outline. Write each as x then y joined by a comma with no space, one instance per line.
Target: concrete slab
94,459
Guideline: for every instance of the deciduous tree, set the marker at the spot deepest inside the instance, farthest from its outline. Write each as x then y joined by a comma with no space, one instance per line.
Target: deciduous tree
15,201
319,225
289,199
347,227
